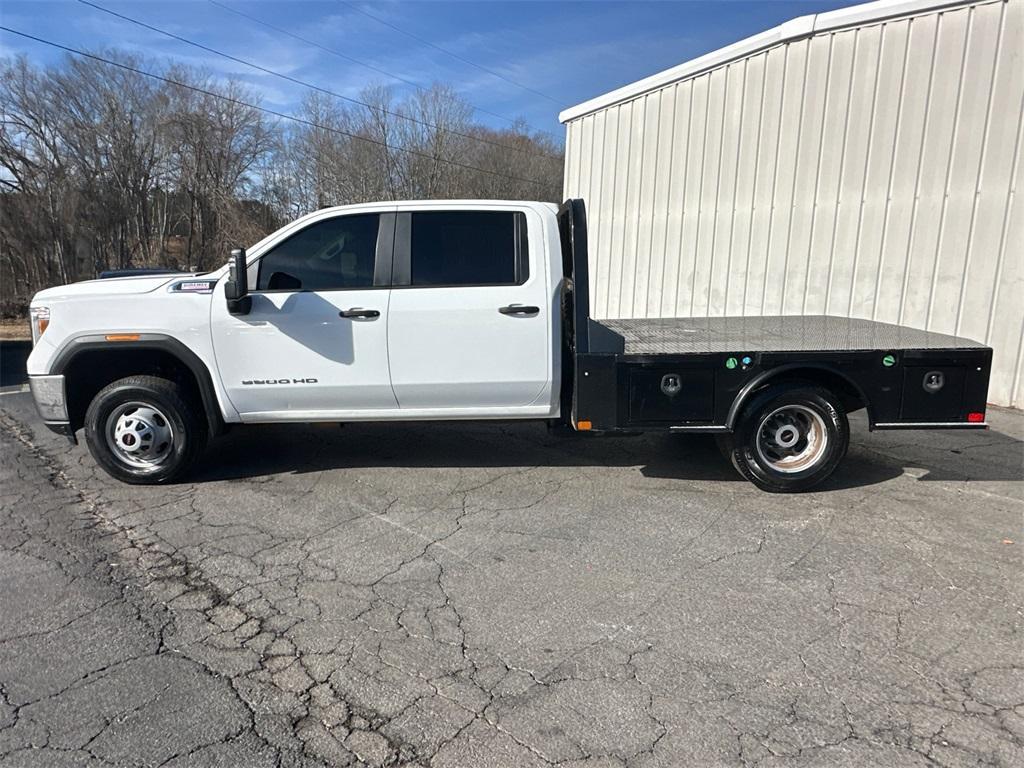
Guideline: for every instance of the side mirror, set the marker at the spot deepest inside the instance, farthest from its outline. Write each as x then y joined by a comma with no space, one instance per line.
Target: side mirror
236,289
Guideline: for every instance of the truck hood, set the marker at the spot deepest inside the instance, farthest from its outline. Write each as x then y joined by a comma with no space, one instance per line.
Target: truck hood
113,286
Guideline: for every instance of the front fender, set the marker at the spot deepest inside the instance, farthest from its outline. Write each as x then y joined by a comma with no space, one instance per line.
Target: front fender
211,400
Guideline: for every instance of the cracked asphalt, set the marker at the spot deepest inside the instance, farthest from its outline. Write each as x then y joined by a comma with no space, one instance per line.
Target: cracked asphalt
494,595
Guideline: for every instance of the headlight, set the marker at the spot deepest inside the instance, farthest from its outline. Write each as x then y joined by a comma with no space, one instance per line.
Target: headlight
40,320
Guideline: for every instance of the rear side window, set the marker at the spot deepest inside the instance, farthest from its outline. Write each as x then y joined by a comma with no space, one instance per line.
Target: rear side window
332,254
469,248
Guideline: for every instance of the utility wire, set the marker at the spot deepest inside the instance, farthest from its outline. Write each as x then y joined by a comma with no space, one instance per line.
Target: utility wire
352,59
266,110
482,68
311,86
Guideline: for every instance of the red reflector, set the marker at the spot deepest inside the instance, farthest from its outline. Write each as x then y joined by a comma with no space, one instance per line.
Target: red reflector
975,418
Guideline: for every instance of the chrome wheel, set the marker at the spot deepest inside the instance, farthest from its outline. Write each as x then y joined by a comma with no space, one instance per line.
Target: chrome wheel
792,439
139,435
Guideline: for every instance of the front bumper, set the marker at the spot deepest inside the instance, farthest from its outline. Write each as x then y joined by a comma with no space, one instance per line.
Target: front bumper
51,402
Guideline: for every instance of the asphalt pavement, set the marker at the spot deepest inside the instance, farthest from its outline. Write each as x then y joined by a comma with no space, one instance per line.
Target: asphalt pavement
495,595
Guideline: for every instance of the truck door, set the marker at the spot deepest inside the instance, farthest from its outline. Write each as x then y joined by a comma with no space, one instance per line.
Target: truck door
315,342
470,324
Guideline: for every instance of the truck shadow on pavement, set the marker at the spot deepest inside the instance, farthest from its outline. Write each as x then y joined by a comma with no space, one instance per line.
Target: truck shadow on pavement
261,450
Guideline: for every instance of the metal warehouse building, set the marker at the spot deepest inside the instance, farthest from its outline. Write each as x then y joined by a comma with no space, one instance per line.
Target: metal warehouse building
862,163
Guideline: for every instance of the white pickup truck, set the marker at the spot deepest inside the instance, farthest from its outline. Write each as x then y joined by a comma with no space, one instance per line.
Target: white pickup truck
465,310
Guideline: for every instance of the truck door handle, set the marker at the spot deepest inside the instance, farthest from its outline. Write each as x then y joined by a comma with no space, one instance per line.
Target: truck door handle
357,312
518,309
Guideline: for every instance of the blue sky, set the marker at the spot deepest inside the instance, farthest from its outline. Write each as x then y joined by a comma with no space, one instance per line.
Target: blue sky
568,51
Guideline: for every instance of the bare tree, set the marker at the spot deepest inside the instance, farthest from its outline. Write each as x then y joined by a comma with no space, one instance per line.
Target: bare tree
216,142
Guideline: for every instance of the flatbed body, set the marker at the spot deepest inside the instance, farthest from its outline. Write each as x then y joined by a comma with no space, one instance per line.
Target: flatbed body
695,374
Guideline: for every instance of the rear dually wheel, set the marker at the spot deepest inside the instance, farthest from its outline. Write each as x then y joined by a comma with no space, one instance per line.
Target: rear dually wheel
791,437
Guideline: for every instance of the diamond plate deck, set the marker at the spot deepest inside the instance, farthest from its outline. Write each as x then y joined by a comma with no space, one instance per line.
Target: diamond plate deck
812,333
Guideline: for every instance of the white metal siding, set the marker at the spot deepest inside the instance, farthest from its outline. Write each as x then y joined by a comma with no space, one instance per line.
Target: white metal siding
867,172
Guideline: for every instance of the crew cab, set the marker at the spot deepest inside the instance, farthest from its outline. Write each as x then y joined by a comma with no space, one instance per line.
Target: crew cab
445,310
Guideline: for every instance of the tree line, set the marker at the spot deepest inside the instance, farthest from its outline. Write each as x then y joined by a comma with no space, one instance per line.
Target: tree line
103,167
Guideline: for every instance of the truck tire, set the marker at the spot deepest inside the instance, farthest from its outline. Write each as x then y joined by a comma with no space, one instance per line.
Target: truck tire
789,438
144,430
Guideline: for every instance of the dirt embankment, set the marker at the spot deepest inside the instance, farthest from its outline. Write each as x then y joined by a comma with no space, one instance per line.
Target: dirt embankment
14,330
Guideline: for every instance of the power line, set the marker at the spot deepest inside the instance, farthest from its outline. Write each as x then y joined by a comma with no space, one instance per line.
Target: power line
346,57
482,68
311,86
267,110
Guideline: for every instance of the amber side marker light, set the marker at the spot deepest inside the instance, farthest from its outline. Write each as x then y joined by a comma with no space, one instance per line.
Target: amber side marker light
584,426
122,337
40,322
975,418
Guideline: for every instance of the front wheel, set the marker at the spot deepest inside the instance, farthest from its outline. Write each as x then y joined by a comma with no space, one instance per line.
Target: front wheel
789,439
144,430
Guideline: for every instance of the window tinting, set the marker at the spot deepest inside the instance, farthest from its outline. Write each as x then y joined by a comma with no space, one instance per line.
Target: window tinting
469,248
332,254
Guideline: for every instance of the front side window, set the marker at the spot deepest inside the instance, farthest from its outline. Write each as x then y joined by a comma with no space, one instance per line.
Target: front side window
332,254
468,248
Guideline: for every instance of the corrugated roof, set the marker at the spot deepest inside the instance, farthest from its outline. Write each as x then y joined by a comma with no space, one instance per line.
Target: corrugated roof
794,29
